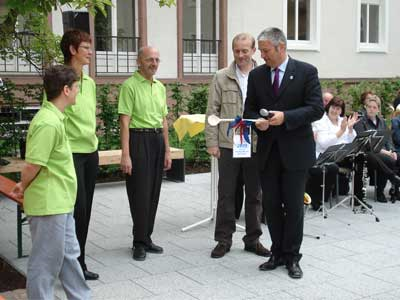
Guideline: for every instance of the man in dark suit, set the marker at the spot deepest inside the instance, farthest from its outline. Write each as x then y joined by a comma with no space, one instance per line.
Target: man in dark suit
290,89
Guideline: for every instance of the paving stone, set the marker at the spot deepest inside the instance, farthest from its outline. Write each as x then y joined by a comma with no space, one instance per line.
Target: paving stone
355,257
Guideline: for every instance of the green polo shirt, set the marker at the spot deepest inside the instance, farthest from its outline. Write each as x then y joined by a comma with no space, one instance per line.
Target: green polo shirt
80,123
53,191
144,101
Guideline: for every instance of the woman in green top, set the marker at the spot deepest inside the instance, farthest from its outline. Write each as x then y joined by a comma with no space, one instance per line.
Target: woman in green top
80,126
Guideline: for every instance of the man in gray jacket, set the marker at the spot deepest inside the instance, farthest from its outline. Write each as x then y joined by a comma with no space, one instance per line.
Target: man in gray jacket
226,100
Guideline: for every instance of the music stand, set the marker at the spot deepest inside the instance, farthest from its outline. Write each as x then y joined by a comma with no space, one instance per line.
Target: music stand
331,156
360,145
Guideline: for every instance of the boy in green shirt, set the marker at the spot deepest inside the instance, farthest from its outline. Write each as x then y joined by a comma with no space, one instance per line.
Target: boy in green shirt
48,185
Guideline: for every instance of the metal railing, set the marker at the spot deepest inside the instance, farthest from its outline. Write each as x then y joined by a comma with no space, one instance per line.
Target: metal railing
116,54
14,60
200,56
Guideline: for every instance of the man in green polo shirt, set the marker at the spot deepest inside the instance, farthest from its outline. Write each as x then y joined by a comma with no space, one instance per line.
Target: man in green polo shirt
48,186
145,149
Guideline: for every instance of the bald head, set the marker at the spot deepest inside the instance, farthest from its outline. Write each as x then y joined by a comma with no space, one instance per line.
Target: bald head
148,61
326,98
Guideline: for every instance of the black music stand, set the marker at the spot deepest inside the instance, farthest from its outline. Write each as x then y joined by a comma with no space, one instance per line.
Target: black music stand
332,155
364,142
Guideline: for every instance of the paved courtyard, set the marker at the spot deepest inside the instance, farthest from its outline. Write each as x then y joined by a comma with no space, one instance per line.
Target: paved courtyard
355,257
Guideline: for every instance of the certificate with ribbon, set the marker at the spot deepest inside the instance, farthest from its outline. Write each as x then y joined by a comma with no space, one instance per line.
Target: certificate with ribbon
241,137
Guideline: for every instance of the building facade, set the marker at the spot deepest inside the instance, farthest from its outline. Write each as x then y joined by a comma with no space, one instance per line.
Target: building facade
345,39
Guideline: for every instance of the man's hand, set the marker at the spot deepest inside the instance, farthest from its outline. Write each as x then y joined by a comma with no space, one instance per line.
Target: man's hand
277,119
214,151
262,124
126,164
18,191
167,160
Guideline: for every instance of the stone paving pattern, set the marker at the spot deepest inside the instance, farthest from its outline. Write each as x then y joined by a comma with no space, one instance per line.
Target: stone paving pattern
355,258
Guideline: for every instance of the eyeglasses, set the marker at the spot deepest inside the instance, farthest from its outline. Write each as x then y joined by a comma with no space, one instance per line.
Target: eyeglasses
150,59
87,48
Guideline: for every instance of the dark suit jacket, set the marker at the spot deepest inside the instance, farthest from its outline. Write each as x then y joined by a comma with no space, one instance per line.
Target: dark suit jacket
300,99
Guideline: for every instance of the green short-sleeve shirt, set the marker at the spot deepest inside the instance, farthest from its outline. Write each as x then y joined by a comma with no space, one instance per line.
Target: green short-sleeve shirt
53,191
80,123
144,101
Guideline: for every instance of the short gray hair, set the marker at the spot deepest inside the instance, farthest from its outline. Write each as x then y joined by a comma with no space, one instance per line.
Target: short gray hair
273,34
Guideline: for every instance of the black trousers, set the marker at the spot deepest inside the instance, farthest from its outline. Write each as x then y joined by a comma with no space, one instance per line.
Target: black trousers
147,152
385,166
283,193
230,169
86,168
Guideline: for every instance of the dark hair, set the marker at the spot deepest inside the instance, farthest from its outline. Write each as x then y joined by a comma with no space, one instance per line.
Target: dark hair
364,96
336,101
73,38
56,78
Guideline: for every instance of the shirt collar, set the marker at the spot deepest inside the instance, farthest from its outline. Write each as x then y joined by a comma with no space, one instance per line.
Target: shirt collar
50,106
142,79
239,73
283,65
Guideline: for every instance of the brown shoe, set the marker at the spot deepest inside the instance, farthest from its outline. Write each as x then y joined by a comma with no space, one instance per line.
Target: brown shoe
258,249
220,250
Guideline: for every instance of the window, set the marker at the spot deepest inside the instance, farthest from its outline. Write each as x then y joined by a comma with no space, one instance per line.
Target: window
372,25
200,44
301,24
116,40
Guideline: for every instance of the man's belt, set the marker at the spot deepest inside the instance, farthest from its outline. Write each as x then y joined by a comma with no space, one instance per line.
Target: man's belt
148,130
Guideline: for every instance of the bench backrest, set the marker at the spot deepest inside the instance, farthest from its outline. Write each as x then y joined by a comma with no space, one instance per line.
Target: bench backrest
6,186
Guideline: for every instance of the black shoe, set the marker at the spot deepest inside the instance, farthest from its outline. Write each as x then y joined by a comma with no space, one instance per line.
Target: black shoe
380,197
153,248
139,253
90,275
258,249
220,250
272,263
294,270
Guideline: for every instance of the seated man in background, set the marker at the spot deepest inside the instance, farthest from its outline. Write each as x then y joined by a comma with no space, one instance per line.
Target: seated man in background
49,186
385,161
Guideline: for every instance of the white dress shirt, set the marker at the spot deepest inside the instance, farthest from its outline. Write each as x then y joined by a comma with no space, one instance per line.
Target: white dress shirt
282,70
325,134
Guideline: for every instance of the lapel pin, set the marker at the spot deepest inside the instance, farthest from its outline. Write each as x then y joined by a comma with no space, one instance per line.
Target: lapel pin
291,77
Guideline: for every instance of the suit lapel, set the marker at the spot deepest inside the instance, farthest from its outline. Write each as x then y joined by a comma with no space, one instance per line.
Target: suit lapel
288,77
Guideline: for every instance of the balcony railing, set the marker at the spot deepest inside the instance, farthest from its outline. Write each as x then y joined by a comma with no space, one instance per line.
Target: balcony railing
200,57
116,55
15,61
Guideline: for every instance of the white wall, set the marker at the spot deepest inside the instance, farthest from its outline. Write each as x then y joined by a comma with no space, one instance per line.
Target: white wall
162,34
252,16
337,56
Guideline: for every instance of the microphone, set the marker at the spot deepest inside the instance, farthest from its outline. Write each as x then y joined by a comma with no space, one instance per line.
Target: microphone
266,114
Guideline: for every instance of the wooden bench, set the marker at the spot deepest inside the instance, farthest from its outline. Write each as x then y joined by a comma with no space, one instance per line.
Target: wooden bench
176,173
6,186
109,157
112,157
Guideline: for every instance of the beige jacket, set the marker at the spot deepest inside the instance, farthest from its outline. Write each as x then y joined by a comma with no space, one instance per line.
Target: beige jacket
224,101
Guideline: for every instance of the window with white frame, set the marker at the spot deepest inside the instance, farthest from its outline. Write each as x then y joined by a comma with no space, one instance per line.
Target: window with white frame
372,25
301,22
200,44
116,39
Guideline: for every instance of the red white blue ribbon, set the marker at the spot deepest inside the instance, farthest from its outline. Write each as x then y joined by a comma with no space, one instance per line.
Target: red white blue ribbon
243,126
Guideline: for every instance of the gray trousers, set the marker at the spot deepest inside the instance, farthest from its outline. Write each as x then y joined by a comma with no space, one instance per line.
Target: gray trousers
229,169
54,254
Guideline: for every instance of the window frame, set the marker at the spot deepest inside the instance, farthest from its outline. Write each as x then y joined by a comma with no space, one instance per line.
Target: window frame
198,26
315,24
382,46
